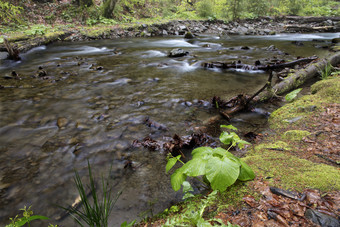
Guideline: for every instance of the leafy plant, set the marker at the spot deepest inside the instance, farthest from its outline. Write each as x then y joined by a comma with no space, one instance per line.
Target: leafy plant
193,215
10,13
292,95
326,72
27,217
218,166
97,212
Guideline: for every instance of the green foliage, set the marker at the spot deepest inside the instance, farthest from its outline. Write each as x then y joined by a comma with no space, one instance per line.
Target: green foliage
205,9
125,224
27,217
97,212
193,215
34,30
326,72
292,95
10,13
219,166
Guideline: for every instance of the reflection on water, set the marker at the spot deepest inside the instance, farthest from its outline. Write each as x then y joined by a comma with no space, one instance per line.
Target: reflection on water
97,106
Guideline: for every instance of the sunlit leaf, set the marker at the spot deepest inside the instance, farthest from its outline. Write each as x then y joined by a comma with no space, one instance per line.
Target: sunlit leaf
292,95
246,173
222,173
171,163
195,167
201,151
177,179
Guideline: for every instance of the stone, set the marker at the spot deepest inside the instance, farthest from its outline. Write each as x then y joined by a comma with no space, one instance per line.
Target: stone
178,52
62,122
189,35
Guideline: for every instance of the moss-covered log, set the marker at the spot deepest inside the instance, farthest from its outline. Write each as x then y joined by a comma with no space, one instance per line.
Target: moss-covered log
298,78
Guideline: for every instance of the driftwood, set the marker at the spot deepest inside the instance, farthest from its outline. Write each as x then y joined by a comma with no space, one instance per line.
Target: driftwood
258,65
298,28
13,52
298,78
243,102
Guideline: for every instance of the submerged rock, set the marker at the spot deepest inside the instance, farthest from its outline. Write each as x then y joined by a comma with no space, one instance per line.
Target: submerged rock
189,35
178,52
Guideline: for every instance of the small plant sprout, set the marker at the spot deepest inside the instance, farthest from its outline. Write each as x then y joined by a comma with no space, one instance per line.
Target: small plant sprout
27,217
218,166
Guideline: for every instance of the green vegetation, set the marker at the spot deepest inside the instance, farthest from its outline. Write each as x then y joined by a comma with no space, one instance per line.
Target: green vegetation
218,166
193,214
10,13
97,212
27,217
292,95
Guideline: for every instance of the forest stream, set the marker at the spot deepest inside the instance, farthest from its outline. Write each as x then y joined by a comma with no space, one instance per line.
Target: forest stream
92,103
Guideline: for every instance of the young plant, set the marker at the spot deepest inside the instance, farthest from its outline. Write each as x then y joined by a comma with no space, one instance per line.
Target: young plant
97,212
292,95
218,166
27,217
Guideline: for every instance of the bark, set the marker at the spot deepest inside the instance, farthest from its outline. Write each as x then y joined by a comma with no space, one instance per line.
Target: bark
108,7
298,78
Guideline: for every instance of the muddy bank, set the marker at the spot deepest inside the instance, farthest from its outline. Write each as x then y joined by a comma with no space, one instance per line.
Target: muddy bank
259,26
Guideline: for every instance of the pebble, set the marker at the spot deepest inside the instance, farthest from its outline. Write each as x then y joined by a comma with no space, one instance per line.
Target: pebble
62,122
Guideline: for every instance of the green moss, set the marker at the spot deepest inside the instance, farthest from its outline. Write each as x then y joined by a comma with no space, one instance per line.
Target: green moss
291,172
295,135
328,89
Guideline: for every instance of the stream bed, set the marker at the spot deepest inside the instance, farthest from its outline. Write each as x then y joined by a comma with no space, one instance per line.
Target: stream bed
93,102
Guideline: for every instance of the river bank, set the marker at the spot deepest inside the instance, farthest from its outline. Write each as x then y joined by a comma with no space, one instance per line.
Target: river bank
260,26
298,153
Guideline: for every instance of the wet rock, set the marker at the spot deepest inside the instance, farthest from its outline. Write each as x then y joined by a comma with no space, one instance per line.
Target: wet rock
271,48
62,122
189,35
321,219
336,40
297,43
178,52
245,48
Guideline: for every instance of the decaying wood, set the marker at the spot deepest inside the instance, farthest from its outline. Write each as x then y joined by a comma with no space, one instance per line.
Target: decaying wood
258,65
298,78
13,52
243,102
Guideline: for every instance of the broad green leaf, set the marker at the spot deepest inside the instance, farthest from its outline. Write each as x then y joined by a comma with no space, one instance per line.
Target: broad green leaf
177,179
226,138
195,167
201,151
203,223
222,172
246,173
220,152
290,96
229,127
171,163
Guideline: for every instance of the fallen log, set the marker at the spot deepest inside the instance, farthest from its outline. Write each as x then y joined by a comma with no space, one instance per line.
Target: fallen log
298,78
258,65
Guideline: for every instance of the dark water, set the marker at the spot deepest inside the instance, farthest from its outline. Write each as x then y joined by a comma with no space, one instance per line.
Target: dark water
103,112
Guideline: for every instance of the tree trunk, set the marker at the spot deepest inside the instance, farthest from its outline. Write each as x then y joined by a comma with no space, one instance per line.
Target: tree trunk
108,7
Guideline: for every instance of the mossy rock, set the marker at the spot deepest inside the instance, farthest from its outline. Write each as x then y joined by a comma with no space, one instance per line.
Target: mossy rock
295,112
189,35
290,172
295,135
336,40
328,89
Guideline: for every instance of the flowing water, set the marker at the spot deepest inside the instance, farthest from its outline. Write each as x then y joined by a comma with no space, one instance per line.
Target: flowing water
95,106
